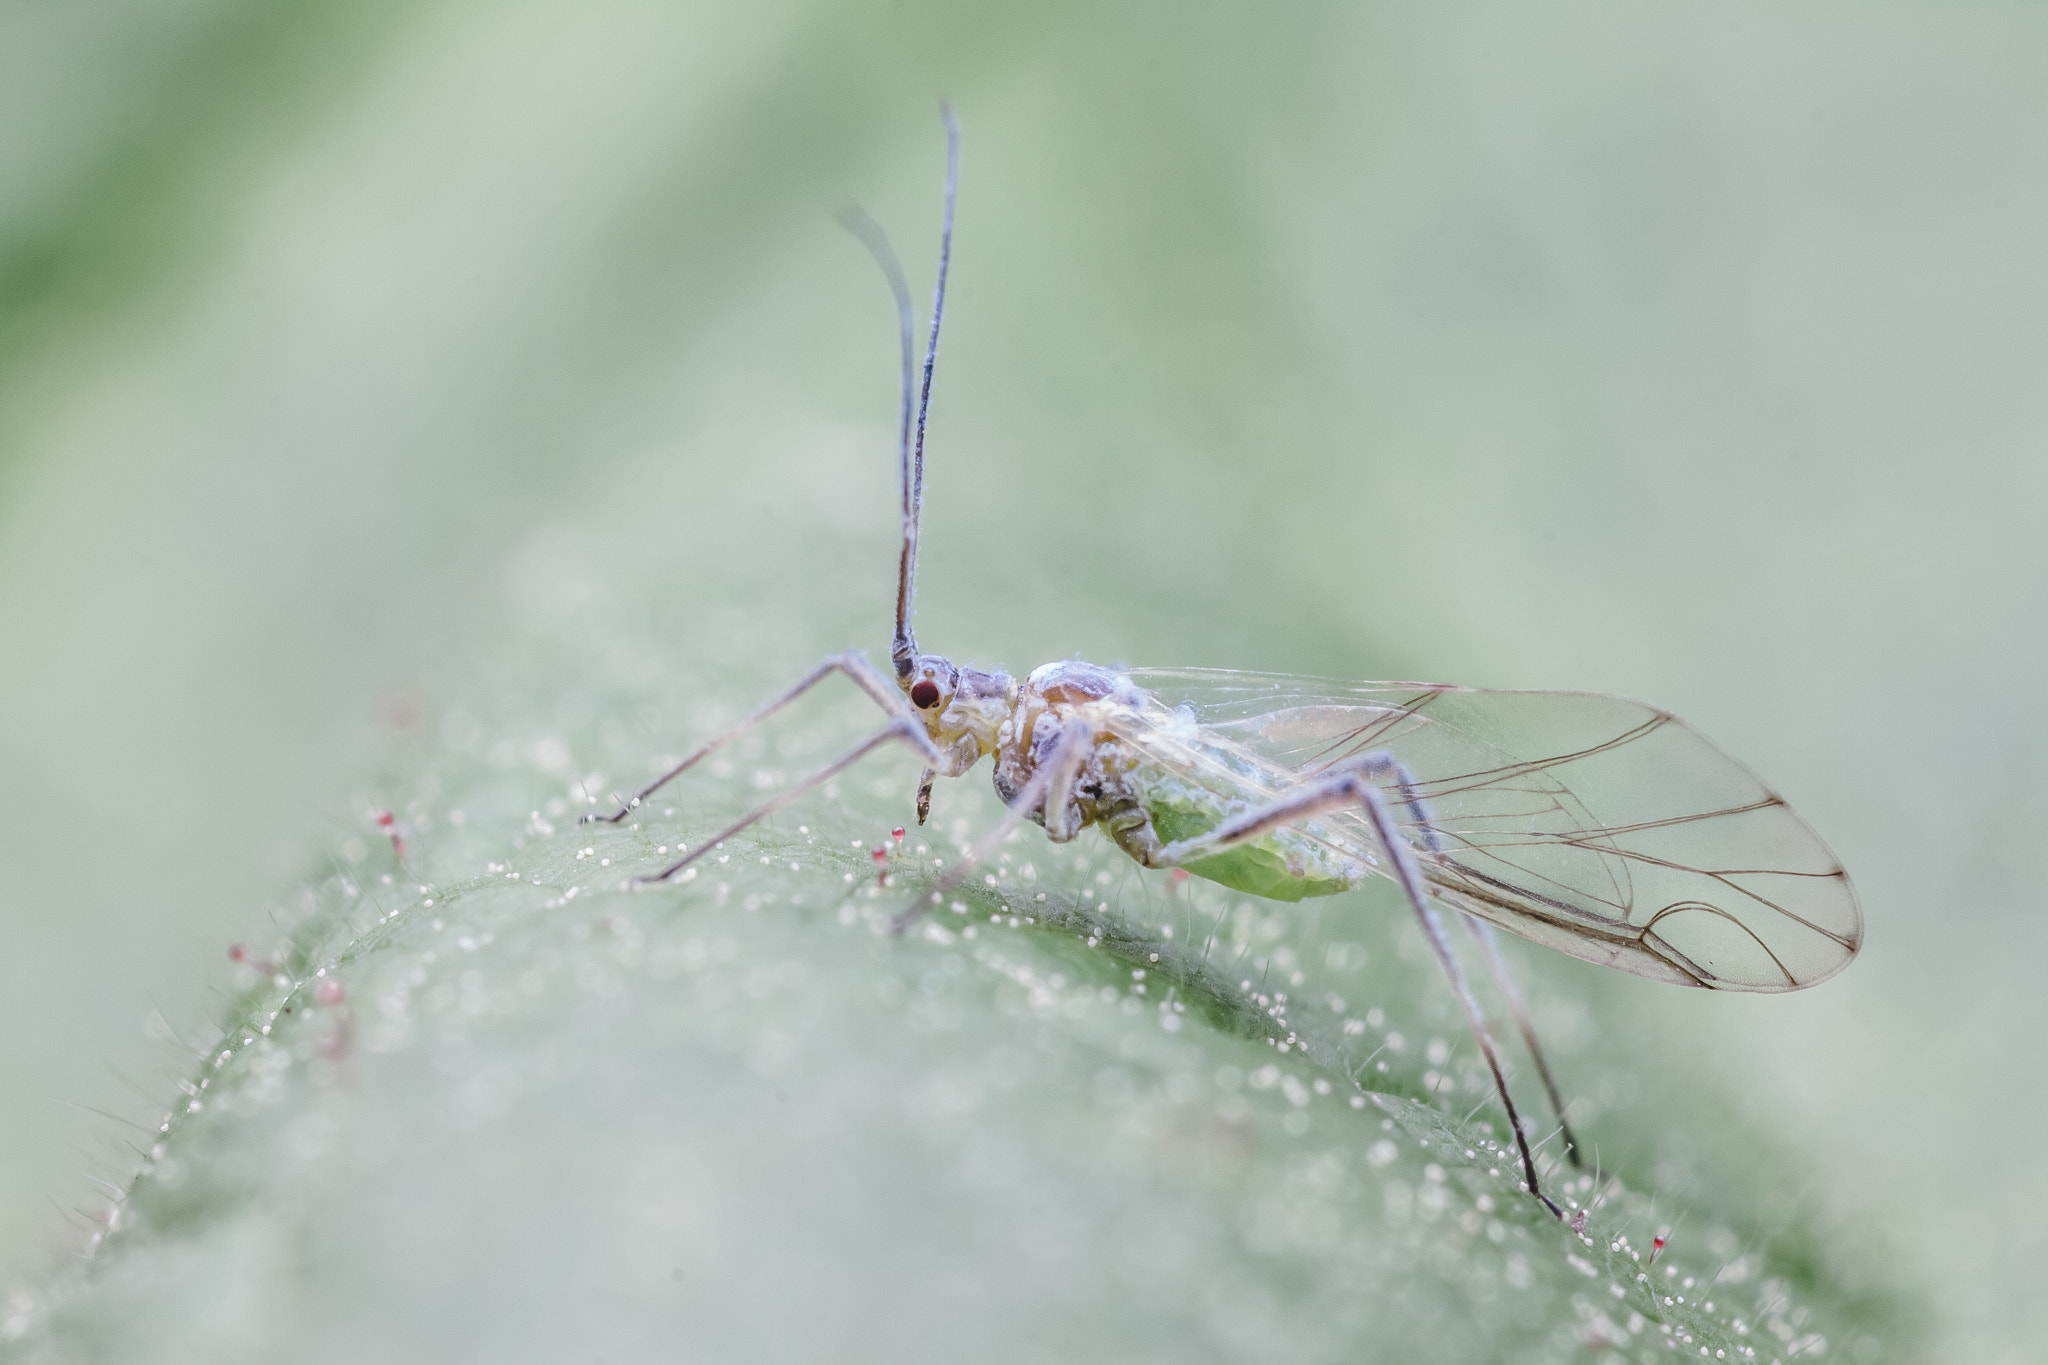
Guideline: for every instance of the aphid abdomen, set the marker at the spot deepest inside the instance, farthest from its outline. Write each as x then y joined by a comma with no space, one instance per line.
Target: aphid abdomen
1281,866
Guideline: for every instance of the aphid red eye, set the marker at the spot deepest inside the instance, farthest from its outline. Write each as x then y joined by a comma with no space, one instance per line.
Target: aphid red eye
925,695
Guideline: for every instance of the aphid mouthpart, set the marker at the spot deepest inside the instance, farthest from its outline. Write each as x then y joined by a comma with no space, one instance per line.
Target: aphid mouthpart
1594,825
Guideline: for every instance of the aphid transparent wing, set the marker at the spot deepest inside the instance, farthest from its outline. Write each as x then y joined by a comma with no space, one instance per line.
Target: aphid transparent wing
1592,824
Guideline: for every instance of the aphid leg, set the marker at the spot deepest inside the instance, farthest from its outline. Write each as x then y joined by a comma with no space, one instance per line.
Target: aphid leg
924,794
1433,928
1350,787
853,664
905,730
1051,786
1498,965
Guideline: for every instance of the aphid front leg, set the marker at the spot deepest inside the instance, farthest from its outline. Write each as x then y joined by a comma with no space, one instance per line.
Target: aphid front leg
1050,785
1347,786
924,794
905,730
854,664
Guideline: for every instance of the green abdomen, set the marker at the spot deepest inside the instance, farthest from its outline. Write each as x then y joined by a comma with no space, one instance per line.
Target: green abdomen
1279,867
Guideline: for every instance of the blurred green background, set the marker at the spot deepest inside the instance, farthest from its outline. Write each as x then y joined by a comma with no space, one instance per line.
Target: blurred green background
1692,353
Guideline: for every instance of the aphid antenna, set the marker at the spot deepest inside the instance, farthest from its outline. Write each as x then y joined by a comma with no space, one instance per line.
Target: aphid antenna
909,439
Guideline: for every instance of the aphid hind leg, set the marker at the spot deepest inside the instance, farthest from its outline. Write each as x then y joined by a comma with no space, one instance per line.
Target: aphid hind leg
1050,785
1497,964
905,730
853,664
1489,942
1349,786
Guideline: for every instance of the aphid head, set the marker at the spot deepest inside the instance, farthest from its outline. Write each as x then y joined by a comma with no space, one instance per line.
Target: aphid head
958,703
929,684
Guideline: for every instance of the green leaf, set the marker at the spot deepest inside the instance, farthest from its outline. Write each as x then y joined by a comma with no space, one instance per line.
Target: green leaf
487,1102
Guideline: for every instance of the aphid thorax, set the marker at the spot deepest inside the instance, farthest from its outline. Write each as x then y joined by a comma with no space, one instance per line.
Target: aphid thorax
971,714
1052,706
